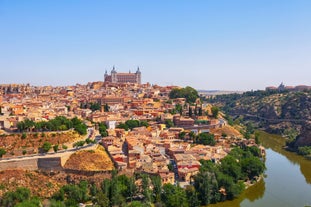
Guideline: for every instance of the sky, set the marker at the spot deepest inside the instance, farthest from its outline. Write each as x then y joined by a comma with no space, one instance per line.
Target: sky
206,44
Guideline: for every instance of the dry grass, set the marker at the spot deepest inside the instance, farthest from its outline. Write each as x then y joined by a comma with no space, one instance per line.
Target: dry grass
39,184
90,160
15,144
229,130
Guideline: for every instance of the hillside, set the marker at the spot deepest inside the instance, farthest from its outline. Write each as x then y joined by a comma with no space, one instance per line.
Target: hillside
274,112
29,143
39,184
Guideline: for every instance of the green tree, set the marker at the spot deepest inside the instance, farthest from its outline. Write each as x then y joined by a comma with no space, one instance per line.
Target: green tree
136,204
200,111
189,93
169,123
252,166
144,123
101,200
206,139
306,150
102,130
46,146
81,129
55,203
182,135
79,144
192,196
157,188
123,126
232,189
95,106
55,148
132,124
2,152
10,199
206,186
178,108
106,108
192,136
34,202
24,135
215,111
231,166
190,111
174,196
146,189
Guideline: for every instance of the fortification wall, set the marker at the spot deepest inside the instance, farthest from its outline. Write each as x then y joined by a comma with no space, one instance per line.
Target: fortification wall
49,164
24,164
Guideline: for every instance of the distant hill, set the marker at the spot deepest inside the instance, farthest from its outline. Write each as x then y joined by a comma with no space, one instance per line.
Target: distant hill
272,110
216,92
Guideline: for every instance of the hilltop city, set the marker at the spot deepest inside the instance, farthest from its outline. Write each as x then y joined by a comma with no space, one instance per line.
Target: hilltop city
118,124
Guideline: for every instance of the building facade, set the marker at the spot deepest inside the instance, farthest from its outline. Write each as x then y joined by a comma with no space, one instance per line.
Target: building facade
129,77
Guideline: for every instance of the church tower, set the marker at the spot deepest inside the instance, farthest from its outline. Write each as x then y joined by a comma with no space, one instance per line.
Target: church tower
138,76
106,76
114,78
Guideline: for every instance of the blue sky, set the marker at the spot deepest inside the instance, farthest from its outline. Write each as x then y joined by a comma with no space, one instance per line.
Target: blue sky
208,44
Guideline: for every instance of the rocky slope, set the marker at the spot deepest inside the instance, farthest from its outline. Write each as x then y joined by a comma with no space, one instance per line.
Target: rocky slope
304,139
273,111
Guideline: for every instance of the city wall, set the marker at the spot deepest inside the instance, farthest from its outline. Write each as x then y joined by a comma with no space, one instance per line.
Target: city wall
43,163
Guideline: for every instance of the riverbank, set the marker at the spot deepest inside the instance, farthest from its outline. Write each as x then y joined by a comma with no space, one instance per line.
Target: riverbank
286,182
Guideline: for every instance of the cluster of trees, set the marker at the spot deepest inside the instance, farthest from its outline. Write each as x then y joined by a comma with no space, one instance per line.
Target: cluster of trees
291,135
202,138
205,139
177,110
94,106
131,124
189,93
102,129
229,175
215,111
46,146
197,111
59,123
19,198
305,151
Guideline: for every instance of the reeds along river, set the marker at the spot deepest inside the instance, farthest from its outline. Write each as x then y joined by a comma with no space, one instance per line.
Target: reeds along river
287,181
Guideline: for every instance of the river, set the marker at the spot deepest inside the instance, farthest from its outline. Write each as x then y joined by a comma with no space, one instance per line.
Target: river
287,180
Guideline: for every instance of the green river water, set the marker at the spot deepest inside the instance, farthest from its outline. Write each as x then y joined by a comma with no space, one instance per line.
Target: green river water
287,181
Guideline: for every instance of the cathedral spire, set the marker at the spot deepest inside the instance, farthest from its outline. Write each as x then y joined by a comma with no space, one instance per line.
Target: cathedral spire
138,70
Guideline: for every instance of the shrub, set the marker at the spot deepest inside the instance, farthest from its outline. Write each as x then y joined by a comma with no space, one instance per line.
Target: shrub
24,135
55,148
46,146
2,152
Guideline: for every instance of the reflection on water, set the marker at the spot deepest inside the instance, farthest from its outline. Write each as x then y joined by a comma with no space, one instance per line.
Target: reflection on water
287,181
252,194
276,143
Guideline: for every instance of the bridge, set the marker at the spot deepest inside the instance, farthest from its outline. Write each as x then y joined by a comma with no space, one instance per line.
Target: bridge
274,120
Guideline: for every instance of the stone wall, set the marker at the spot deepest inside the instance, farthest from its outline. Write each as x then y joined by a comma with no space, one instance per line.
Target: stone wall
50,164
43,163
24,164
